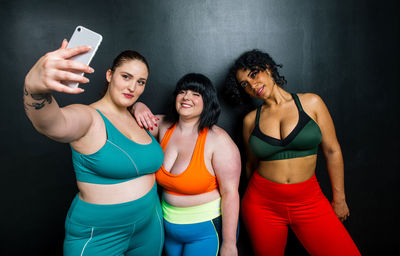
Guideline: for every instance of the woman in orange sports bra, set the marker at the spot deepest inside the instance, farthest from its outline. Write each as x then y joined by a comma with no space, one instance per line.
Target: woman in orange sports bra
200,173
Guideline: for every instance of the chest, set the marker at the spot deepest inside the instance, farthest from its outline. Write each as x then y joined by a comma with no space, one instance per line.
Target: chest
279,122
183,151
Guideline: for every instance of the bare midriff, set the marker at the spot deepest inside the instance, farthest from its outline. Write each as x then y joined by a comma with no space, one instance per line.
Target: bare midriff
191,200
288,171
116,193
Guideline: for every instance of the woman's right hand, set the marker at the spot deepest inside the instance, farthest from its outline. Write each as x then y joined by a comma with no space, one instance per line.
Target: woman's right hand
143,115
48,72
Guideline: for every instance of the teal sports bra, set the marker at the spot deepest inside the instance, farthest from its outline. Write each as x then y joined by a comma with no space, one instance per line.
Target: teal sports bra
302,141
119,160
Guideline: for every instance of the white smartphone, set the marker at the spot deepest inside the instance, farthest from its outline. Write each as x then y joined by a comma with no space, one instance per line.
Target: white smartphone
83,36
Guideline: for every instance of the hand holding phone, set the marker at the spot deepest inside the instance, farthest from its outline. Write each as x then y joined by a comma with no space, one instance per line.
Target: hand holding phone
83,36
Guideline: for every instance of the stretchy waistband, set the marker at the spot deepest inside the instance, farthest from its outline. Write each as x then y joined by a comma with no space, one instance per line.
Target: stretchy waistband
107,215
296,192
192,214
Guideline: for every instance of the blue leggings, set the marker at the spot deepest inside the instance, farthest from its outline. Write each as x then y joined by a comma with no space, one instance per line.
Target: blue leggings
203,239
132,228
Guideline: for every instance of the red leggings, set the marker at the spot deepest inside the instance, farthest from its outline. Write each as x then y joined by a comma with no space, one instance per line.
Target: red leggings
268,209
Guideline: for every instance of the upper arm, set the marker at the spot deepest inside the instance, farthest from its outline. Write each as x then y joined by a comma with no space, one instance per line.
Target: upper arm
225,161
248,126
74,124
324,120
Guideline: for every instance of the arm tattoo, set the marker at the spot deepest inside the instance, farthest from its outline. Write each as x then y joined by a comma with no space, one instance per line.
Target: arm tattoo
43,98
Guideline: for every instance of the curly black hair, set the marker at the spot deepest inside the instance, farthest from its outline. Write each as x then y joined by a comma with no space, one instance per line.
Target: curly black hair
201,84
250,60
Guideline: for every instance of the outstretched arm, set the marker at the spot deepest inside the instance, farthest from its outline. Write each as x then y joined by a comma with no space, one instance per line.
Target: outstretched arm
227,167
333,155
61,124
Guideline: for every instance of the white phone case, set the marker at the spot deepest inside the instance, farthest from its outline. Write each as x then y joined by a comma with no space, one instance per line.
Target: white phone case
83,36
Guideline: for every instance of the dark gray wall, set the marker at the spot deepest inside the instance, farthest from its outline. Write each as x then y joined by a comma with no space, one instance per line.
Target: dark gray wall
345,51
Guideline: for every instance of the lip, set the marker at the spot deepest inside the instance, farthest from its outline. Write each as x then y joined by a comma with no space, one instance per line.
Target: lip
127,95
260,91
184,105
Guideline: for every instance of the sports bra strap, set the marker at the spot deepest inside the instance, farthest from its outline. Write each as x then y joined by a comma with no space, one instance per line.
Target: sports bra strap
297,101
167,136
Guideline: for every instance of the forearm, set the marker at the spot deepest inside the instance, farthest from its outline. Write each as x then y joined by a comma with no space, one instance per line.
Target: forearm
230,215
335,166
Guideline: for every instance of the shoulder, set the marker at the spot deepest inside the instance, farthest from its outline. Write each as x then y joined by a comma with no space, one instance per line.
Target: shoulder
217,132
310,98
311,102
218,136
219,140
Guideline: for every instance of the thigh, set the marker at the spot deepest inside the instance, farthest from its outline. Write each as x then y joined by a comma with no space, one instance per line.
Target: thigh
205,240
321,232
265,223
148,237
86,240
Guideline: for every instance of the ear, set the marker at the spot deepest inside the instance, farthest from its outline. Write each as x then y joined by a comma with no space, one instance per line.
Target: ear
268,70
109,75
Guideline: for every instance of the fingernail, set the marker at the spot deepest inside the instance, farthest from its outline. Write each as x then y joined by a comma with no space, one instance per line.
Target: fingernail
151,128
156,125
91,70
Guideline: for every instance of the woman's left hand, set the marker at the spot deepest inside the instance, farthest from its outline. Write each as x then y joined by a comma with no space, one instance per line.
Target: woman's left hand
228,249
341,209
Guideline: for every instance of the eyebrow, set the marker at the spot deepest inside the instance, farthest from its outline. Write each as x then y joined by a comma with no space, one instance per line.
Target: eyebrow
130,75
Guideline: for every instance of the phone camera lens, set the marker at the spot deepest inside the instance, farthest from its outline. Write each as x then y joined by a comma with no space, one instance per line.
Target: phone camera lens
79,29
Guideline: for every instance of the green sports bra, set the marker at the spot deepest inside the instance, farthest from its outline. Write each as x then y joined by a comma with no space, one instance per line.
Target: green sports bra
302,141
119,160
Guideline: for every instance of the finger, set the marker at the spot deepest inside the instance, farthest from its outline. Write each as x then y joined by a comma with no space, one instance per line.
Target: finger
154,120
73,65
59,87
64,44
149,122
139,123
61,75
71,52
144,124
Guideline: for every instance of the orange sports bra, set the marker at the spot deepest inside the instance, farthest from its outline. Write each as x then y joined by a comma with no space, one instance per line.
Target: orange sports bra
196,179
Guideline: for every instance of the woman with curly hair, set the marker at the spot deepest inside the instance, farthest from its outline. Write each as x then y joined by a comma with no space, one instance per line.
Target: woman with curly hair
282,138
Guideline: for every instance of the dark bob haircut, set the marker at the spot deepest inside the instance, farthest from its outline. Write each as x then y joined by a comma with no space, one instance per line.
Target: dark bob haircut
254,59
201,84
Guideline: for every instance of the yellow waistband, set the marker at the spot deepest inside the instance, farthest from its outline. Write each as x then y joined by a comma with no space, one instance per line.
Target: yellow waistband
191,214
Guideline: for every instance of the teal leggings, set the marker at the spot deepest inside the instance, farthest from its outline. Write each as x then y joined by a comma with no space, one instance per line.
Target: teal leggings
132,228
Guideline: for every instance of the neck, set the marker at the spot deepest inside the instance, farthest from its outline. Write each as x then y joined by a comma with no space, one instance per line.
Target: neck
188,125
108,104
277,96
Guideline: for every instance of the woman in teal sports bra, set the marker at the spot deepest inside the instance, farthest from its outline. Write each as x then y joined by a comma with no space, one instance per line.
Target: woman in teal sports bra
117,210
282,137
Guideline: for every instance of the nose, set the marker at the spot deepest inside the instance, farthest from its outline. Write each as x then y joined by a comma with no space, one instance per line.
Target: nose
252,84
186,96
132,86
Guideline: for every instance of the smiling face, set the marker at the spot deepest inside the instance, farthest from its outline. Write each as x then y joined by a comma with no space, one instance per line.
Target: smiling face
127,82
189,103
256,82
